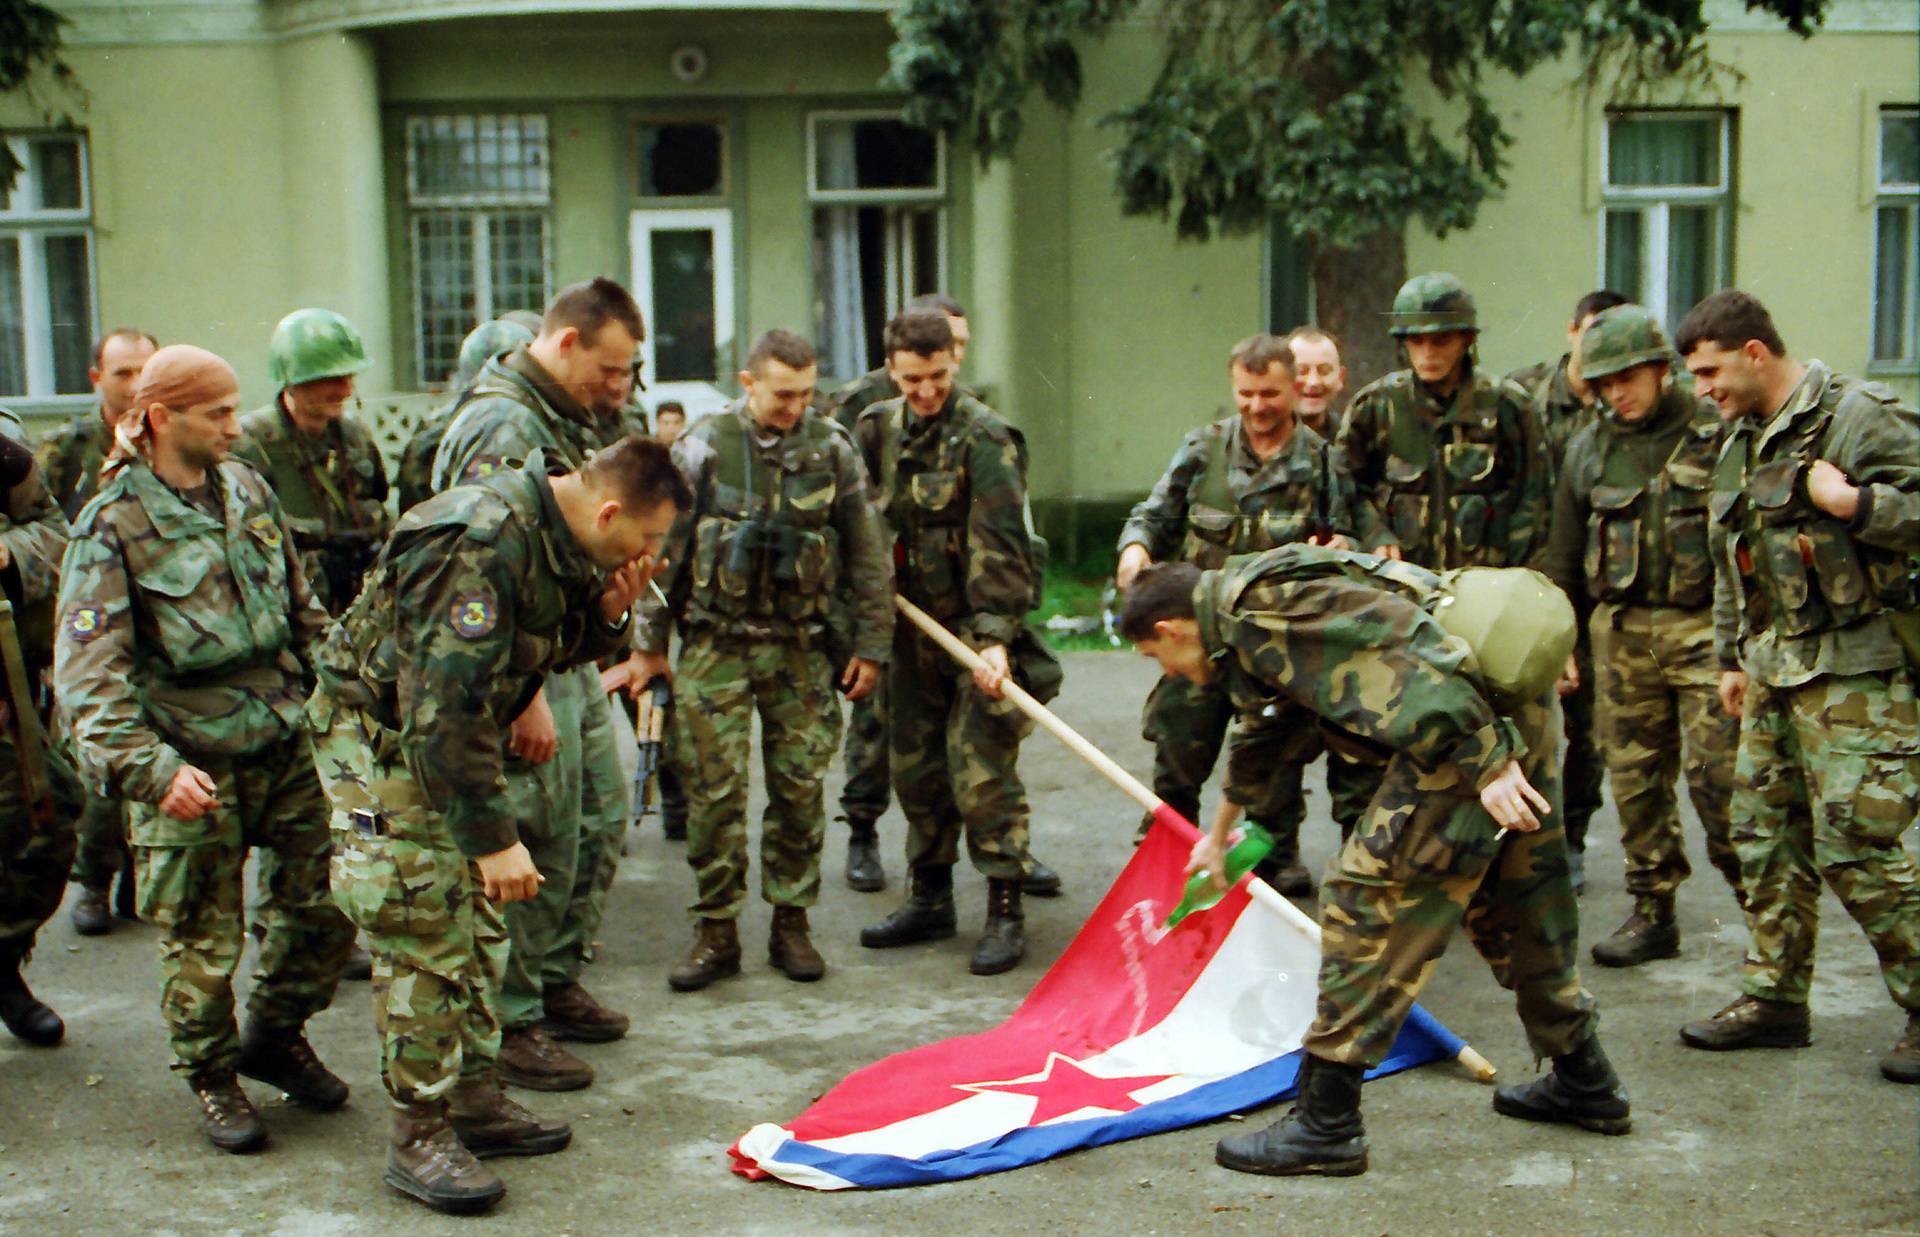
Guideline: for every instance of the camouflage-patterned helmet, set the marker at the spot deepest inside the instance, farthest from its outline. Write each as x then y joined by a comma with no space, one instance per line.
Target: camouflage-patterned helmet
1430,303
486,340
1518,623
311,344
1620,338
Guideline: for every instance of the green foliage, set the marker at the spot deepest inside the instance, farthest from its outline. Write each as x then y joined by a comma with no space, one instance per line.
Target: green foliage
29,41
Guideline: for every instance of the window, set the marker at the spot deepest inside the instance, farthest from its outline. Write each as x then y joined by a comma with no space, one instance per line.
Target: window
1896,240
46,270
1668,192
878,187
1289,279
478,188
681,159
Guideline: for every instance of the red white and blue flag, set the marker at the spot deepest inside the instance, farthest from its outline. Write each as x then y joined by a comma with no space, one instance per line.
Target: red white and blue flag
1134,1031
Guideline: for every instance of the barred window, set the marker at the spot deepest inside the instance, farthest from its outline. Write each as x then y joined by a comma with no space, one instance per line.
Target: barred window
1665,230
1896,240
46,270
478,189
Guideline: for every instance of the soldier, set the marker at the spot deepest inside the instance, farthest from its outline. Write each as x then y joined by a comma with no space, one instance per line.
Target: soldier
1319,379
36,840
479,593
184,625
1816,519
1244,483
1457,674
556,395
1564,403
669,421
780,522
950,478
414,478
1629,545
70,458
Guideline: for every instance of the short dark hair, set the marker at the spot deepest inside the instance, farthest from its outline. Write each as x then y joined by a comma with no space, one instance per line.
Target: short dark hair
939,301
640,473
1596,302
1162,591
1258,353
922,332
1728,318
788,348
590,305
119,332
1307,334
673,406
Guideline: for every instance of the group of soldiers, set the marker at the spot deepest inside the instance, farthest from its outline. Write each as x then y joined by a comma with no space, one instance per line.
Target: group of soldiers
413,724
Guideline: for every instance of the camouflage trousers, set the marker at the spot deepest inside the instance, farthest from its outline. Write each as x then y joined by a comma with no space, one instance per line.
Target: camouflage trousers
954,759
1188,722
34,857
439,946
1658,683
1427,858
189,881
869,784
572,811
1825,784
723,681
101,839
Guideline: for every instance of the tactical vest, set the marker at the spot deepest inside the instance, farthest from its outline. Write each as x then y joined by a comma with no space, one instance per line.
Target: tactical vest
766,550
1444,482
1647,536
1801,571
1284,511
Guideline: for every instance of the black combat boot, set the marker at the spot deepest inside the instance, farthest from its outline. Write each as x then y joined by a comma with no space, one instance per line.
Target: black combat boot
26,1015
427,1161
125,903
1004,942
1041,881
281,1057
1322,1135
1649,933
864,871
91,915
1581,1090
789,947
1902,1062
491,1123
715,954
358,967
1751,1022
927,914
227,1117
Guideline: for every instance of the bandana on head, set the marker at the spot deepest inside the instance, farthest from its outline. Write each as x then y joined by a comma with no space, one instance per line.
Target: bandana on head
179,376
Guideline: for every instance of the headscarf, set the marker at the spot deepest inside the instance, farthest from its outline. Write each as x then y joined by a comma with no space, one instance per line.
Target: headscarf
179,376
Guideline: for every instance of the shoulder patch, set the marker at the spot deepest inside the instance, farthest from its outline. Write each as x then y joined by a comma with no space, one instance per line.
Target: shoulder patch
474,615
85,622
265,527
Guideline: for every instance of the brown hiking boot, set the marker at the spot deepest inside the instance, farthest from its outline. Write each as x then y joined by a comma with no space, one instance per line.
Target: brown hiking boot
91,915
1751,1022
1902,1062
715,954
573,1014
491,1123
282,1058
1648,933
227,1117
529,1058
789,948
426,1160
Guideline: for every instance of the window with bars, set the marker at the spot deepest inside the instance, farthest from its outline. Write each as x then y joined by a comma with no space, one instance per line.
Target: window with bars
478,191
1896,240
1668,192
46,270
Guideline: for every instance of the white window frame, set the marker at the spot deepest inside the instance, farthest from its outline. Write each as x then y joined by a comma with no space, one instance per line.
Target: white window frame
873,197
698,397
21,224
1656,201
1896,195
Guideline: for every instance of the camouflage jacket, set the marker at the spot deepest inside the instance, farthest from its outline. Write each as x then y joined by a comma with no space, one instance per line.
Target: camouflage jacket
1465,484
846,404
35,534
332,487
181,636
1560,412
631,421
1219,499
479,593
1346,638
70,457
780,526
1630,508
1797,592
413,477
513,409
953,490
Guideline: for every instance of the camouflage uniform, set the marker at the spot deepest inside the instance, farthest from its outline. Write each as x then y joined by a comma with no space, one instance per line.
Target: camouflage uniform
480,593
1829,763
755,623
413,479
181,640
1217,499
573,808
1292,630
953,491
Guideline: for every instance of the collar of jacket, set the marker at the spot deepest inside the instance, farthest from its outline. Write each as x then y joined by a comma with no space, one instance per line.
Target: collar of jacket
172,516
520,365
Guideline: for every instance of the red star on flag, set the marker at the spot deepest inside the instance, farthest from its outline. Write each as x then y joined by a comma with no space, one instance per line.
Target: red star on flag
1065,1086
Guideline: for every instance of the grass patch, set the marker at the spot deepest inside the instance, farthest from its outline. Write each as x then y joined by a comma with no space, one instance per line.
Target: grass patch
1075,607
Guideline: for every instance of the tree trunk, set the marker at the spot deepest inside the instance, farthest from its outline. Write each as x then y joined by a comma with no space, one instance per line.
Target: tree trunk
1352,294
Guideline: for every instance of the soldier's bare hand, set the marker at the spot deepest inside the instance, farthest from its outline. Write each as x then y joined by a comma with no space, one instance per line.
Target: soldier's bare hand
1569,678
1733,692
1830,490
191,795
509,875
532,736
1392,551
6,556
1332,541
1132,559
991,678
626,584
648,667
1209,855
1510,799
861,677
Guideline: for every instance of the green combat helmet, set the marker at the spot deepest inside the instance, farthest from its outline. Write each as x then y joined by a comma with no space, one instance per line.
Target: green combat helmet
1430,303
489,339
523,317
1519,625
1621,338
311,344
